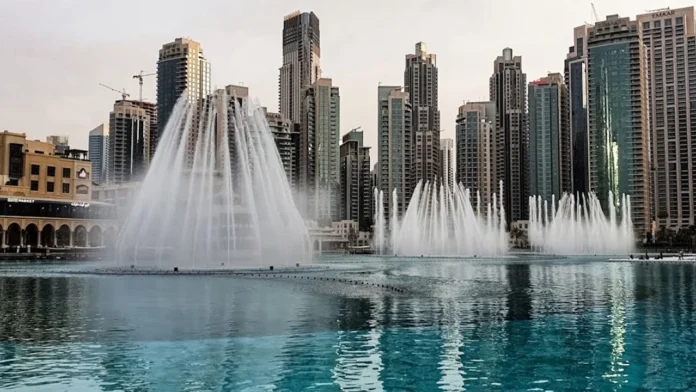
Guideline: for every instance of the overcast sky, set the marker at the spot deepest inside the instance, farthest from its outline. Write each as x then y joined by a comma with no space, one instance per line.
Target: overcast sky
56,52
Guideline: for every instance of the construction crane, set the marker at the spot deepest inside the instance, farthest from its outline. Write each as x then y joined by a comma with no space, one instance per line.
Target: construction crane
594,13
123,92
140,77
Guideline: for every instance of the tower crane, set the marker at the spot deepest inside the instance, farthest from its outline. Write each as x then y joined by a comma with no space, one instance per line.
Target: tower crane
140,77
594,13
123,92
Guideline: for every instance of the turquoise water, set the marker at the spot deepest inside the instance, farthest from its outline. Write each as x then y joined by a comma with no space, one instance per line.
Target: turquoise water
509,324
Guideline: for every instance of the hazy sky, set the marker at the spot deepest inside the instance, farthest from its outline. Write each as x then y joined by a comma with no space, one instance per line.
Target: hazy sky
56,52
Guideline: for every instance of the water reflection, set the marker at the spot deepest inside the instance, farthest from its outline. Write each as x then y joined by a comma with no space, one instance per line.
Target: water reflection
508,325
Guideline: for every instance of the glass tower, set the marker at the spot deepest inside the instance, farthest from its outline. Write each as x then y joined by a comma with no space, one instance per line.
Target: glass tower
618,121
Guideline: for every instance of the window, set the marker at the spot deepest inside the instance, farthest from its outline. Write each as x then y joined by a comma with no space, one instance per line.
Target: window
646,25
34,186
50,187
66,172
51,172
66,188
680,20
35,170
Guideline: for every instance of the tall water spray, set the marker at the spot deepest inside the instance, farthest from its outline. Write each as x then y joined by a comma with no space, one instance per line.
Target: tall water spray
378,238
441,221
579,226
216,195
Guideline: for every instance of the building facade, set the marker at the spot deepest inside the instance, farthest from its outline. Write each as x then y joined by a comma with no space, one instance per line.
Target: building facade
319,152
508,89
421,85
576,82
45,199
356,192
618,117
475,150
181,67
550,158
301,62
129,142
395,149
670,41
287,138
153,131
99,153
447,163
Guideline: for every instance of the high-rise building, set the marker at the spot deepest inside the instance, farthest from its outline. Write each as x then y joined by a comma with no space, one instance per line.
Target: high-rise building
287,138
508,89
181,67
670,41
618,117
394,148
447,162
231,100
129,143
421,85
475,149
151,110
61,143
576,82
301,62
99,153
550,157
319,151
356,193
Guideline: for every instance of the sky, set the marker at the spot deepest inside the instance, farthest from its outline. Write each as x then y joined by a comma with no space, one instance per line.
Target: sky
57,52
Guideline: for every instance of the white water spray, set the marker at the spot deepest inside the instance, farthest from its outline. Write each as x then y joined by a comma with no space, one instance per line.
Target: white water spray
580,228
216,195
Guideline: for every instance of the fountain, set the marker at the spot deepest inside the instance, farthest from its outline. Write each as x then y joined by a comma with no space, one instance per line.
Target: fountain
378,240
580,228
441,221
215,196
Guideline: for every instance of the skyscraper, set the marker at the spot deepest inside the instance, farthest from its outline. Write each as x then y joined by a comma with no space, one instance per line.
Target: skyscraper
128,142
508,89
301,64
287,139
181,67
151,110
421,85
447,162
99,153
549,138
319,151
576,82
394,148
356,193
670,41
618,117
475,149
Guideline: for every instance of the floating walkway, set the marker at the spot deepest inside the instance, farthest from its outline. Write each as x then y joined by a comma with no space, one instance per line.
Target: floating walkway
286,273
665,260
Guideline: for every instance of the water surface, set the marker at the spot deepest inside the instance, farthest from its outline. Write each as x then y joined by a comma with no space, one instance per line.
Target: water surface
507,324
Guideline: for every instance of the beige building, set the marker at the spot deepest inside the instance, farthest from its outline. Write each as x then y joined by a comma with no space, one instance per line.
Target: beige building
669,36
45,198
475,150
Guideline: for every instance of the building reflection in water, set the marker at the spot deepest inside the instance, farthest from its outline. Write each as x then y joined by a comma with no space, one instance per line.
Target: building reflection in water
503,325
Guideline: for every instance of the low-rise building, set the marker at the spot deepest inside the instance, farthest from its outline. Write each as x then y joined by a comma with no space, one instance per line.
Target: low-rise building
45,197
